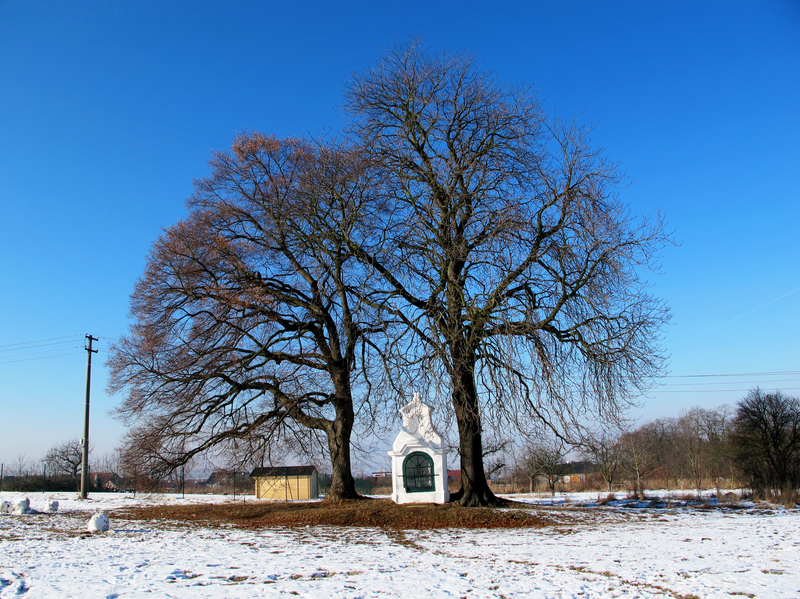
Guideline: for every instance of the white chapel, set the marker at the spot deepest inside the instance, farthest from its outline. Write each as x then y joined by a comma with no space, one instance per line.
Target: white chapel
419,459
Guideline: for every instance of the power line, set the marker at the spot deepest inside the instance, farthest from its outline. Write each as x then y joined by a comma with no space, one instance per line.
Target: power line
43,353
730,383
41,340
690,376
720,390
23,348
39,358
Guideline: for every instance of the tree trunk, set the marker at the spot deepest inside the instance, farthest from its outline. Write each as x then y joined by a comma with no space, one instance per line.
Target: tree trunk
343,486
475,489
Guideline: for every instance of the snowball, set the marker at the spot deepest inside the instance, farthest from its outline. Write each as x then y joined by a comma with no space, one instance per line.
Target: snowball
98,523
52,506
6,508
22,506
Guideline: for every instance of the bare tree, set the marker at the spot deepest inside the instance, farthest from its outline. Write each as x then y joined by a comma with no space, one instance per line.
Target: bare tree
504,250
604,451
701,439
546,458
65,458
662,440
21,466
718,426
639,457
496,451
693,446
109,463
139,463
767,437
246,326
495,455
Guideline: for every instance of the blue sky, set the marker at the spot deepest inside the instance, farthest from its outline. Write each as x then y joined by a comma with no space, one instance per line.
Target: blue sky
109,110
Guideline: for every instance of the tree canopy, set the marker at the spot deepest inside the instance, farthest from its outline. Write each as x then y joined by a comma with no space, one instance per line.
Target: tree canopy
245,324
480,239
507,253
767,438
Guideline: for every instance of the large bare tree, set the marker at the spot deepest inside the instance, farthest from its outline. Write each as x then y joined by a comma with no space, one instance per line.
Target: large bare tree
244,324
505,250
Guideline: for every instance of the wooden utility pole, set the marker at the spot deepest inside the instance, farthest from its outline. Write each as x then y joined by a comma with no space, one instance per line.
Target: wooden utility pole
85,462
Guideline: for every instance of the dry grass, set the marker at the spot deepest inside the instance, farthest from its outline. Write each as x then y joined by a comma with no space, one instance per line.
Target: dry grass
381,513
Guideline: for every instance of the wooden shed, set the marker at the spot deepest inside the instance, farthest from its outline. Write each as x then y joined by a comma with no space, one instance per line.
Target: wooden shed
286,482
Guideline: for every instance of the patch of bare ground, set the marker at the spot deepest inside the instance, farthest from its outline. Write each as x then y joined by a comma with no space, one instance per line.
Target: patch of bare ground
378,513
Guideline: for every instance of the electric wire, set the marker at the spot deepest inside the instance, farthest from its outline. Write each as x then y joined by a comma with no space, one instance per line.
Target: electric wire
768,382
13,349
722,390
41,340
723,383
39,349
39,352
689,376
39,358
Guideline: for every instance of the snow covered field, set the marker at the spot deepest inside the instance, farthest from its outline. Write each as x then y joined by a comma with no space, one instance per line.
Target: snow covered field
595,552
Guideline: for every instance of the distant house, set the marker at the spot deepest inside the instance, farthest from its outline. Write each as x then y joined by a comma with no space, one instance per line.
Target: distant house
286,482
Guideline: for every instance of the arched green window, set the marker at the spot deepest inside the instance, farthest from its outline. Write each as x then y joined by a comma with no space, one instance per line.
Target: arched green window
418,473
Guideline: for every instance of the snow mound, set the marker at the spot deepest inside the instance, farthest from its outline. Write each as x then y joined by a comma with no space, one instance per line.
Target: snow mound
22,506
52,506
98,523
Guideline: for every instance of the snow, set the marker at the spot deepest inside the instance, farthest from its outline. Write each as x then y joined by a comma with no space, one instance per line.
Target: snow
592,552
98,523
21,506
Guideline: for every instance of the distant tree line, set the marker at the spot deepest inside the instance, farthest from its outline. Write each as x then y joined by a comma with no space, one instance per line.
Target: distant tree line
755,446
118,471
58,470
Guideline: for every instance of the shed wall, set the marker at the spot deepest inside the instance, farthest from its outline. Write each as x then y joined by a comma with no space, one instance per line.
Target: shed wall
289,487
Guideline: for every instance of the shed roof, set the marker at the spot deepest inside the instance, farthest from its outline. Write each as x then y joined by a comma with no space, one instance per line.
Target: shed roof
283,471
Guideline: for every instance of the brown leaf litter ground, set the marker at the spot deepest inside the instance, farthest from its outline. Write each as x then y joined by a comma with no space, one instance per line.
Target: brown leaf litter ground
379,513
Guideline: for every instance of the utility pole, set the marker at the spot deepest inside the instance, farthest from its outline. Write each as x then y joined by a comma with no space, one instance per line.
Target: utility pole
85,462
